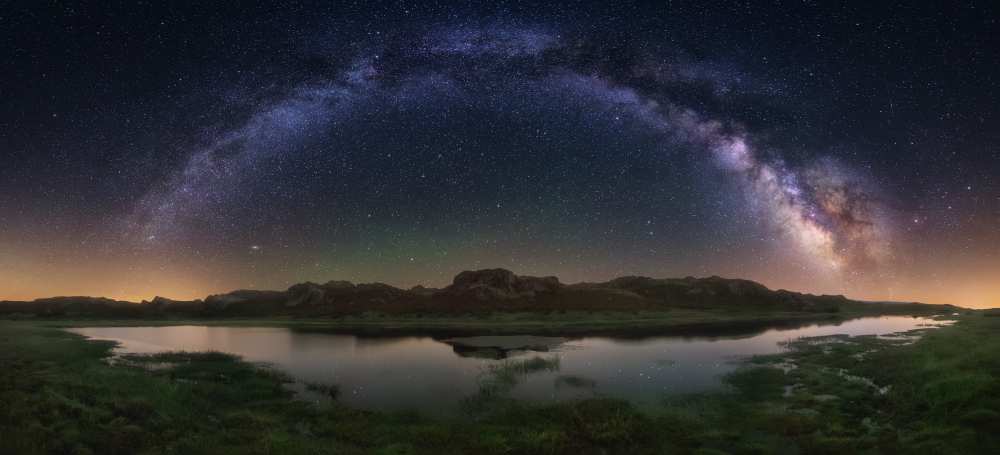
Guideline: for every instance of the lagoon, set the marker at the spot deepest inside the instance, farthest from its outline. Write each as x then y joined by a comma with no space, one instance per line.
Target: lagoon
439,375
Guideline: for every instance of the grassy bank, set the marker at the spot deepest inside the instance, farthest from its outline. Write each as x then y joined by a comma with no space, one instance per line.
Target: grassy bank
58,394
618,323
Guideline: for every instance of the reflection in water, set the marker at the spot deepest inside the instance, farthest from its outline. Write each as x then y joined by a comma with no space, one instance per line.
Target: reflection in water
577,382
419,372
480,352
502,347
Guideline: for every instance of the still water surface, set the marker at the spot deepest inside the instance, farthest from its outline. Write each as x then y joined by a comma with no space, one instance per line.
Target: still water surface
434,375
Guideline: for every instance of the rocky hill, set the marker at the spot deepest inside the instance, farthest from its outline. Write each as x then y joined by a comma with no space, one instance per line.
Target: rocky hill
471,292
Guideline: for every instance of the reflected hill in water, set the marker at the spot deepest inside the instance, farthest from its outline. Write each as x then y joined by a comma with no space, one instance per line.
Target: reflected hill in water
498,347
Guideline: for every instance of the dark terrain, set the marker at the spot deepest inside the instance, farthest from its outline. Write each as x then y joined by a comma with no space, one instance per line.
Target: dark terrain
472,292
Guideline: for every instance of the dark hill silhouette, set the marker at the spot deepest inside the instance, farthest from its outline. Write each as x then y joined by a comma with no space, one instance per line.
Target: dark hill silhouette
480,291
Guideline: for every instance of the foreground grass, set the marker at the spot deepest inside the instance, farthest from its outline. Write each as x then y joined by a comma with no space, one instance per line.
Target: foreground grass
58,394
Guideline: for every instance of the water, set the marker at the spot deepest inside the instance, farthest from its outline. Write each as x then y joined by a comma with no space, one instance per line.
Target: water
434,375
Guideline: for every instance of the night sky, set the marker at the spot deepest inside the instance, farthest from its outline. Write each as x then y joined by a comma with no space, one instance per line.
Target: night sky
153,149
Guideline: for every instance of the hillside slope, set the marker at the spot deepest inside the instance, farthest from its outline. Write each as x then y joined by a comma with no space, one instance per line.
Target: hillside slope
471,292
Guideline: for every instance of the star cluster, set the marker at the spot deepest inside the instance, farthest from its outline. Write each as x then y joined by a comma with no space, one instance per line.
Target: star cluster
820,150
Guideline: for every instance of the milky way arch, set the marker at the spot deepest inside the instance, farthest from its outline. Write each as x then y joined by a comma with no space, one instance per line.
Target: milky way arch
823,210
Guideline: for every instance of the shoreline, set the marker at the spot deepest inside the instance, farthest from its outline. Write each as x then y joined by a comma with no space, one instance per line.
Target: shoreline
64,397
610,324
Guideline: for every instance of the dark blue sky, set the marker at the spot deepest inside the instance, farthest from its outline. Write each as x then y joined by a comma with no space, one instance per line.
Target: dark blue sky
180,150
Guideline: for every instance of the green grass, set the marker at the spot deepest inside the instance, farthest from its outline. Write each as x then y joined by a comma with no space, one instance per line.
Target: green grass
59,394
497,381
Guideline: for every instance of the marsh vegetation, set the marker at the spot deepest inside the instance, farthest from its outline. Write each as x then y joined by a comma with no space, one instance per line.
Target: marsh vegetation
934,394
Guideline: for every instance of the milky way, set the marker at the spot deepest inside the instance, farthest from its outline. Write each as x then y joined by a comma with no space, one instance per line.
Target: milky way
822,210
187,149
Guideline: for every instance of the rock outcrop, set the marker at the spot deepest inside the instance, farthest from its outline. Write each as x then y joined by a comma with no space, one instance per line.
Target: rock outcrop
307,293
475,291
500,284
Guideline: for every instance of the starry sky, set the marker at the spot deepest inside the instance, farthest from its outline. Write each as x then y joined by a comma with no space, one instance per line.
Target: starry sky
180,150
